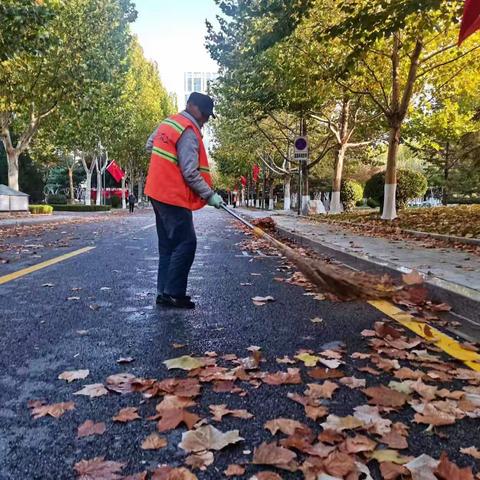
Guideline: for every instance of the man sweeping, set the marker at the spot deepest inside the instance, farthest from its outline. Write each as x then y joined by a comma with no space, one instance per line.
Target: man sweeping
179,182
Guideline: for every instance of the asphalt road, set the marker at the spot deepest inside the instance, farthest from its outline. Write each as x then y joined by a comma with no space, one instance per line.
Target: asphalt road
44,334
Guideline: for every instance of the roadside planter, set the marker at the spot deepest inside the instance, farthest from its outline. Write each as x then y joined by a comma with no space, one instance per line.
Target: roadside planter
12,201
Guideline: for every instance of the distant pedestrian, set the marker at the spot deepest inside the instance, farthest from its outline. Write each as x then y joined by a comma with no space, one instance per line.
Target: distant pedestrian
131,202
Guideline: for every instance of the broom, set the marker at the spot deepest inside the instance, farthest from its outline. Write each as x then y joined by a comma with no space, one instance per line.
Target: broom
339,280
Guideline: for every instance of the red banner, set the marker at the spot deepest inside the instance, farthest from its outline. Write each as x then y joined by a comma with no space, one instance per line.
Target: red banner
470,20
243,180
256,172
115,171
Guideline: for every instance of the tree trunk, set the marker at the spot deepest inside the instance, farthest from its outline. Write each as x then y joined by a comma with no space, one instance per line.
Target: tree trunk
140,188
124,200
12,161
271,205
88,189
98,200
389,206
287,199
446,173
70,184
336,204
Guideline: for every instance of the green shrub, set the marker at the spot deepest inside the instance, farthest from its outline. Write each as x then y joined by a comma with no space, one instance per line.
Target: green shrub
40,209
372,203
57,199
114,201
410,185
351,192
82,208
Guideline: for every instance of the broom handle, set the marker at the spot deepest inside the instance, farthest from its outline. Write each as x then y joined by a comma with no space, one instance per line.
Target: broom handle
238,217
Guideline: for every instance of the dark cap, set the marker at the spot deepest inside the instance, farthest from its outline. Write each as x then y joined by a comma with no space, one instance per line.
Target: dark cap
203,102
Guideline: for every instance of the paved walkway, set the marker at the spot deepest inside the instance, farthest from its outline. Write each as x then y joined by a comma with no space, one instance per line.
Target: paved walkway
445,267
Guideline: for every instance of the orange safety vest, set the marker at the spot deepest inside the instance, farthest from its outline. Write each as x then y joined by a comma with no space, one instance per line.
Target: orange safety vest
165,181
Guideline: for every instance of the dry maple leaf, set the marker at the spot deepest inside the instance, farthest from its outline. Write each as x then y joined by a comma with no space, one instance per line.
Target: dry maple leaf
272,454
324,390
94,390
433,416
338,424
472,451
154,442
389,455
121,383
169,473
234,470
412,278
325,373
385,397
359,443
286,426
127,414
186,362
71,376
339,464
208,438
422,467
172,418
55,410
98,469
260,301
395,440
89,428
219,411
200,460
290,377
353,382
308,359
316,412
447,470
170,402
370,417
392,471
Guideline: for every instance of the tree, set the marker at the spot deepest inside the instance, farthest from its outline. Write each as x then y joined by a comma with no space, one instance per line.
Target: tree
82,42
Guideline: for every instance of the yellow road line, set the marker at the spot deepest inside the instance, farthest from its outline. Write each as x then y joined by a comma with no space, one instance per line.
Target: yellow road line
442,341
39,266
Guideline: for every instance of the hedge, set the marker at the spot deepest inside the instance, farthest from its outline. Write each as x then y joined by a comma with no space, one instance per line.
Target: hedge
351,192
410,185
56,199
40,209
82,208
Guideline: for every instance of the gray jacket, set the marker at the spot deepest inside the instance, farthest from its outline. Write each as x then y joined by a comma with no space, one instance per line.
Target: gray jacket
187,153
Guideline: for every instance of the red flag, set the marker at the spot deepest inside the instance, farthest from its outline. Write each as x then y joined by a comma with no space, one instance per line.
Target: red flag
256,172
243,180
470,20
115,171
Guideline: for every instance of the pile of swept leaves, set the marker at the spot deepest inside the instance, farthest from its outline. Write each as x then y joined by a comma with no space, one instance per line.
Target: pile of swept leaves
461,221
405,376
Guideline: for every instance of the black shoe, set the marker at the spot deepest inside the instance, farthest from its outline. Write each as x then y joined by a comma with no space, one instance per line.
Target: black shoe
161,300
178,302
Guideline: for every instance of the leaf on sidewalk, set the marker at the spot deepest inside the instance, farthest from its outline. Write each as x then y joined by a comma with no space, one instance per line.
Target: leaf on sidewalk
260,301
389,455
447,470
208,438
89,428
412,278
353,382
98,469
285,425
219,411
339,464
338,424
94,390
186,362
472,451
234,470
72,375
359,443
169,473
154,442
123,360
308,359
172,418
422,467
55,410
290,377
385,397
324,390
120,383
392,471
128,414
200,460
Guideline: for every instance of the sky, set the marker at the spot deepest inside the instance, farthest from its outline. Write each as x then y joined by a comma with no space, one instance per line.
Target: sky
172,33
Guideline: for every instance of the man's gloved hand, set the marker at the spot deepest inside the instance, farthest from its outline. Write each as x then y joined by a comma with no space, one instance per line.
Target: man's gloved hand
215,200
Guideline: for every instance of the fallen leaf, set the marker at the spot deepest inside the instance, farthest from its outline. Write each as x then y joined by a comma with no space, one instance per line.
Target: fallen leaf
55,410
317,320
308,359
353,382
324,390
422,467
208,438
127,414
339,464
385,397
290,377
154,442
330,363
412,278
433,416
391,471
234,470
286,360
272,454
447,470
72,299
98,469
123,360
120,383
219,411
260,301
394,440
472,451
172,418
200,460
371,419
388,455
359,443
71,376
89,428
338,424
186,362
285,425
325,373
169,473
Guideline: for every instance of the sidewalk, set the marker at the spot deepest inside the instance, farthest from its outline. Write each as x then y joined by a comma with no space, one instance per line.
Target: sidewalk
447,268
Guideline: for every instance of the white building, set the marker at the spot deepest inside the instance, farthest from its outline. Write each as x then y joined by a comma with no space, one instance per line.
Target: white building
197,82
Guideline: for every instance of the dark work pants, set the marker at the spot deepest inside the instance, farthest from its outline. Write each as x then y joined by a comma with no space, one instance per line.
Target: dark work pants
177,244
132,207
